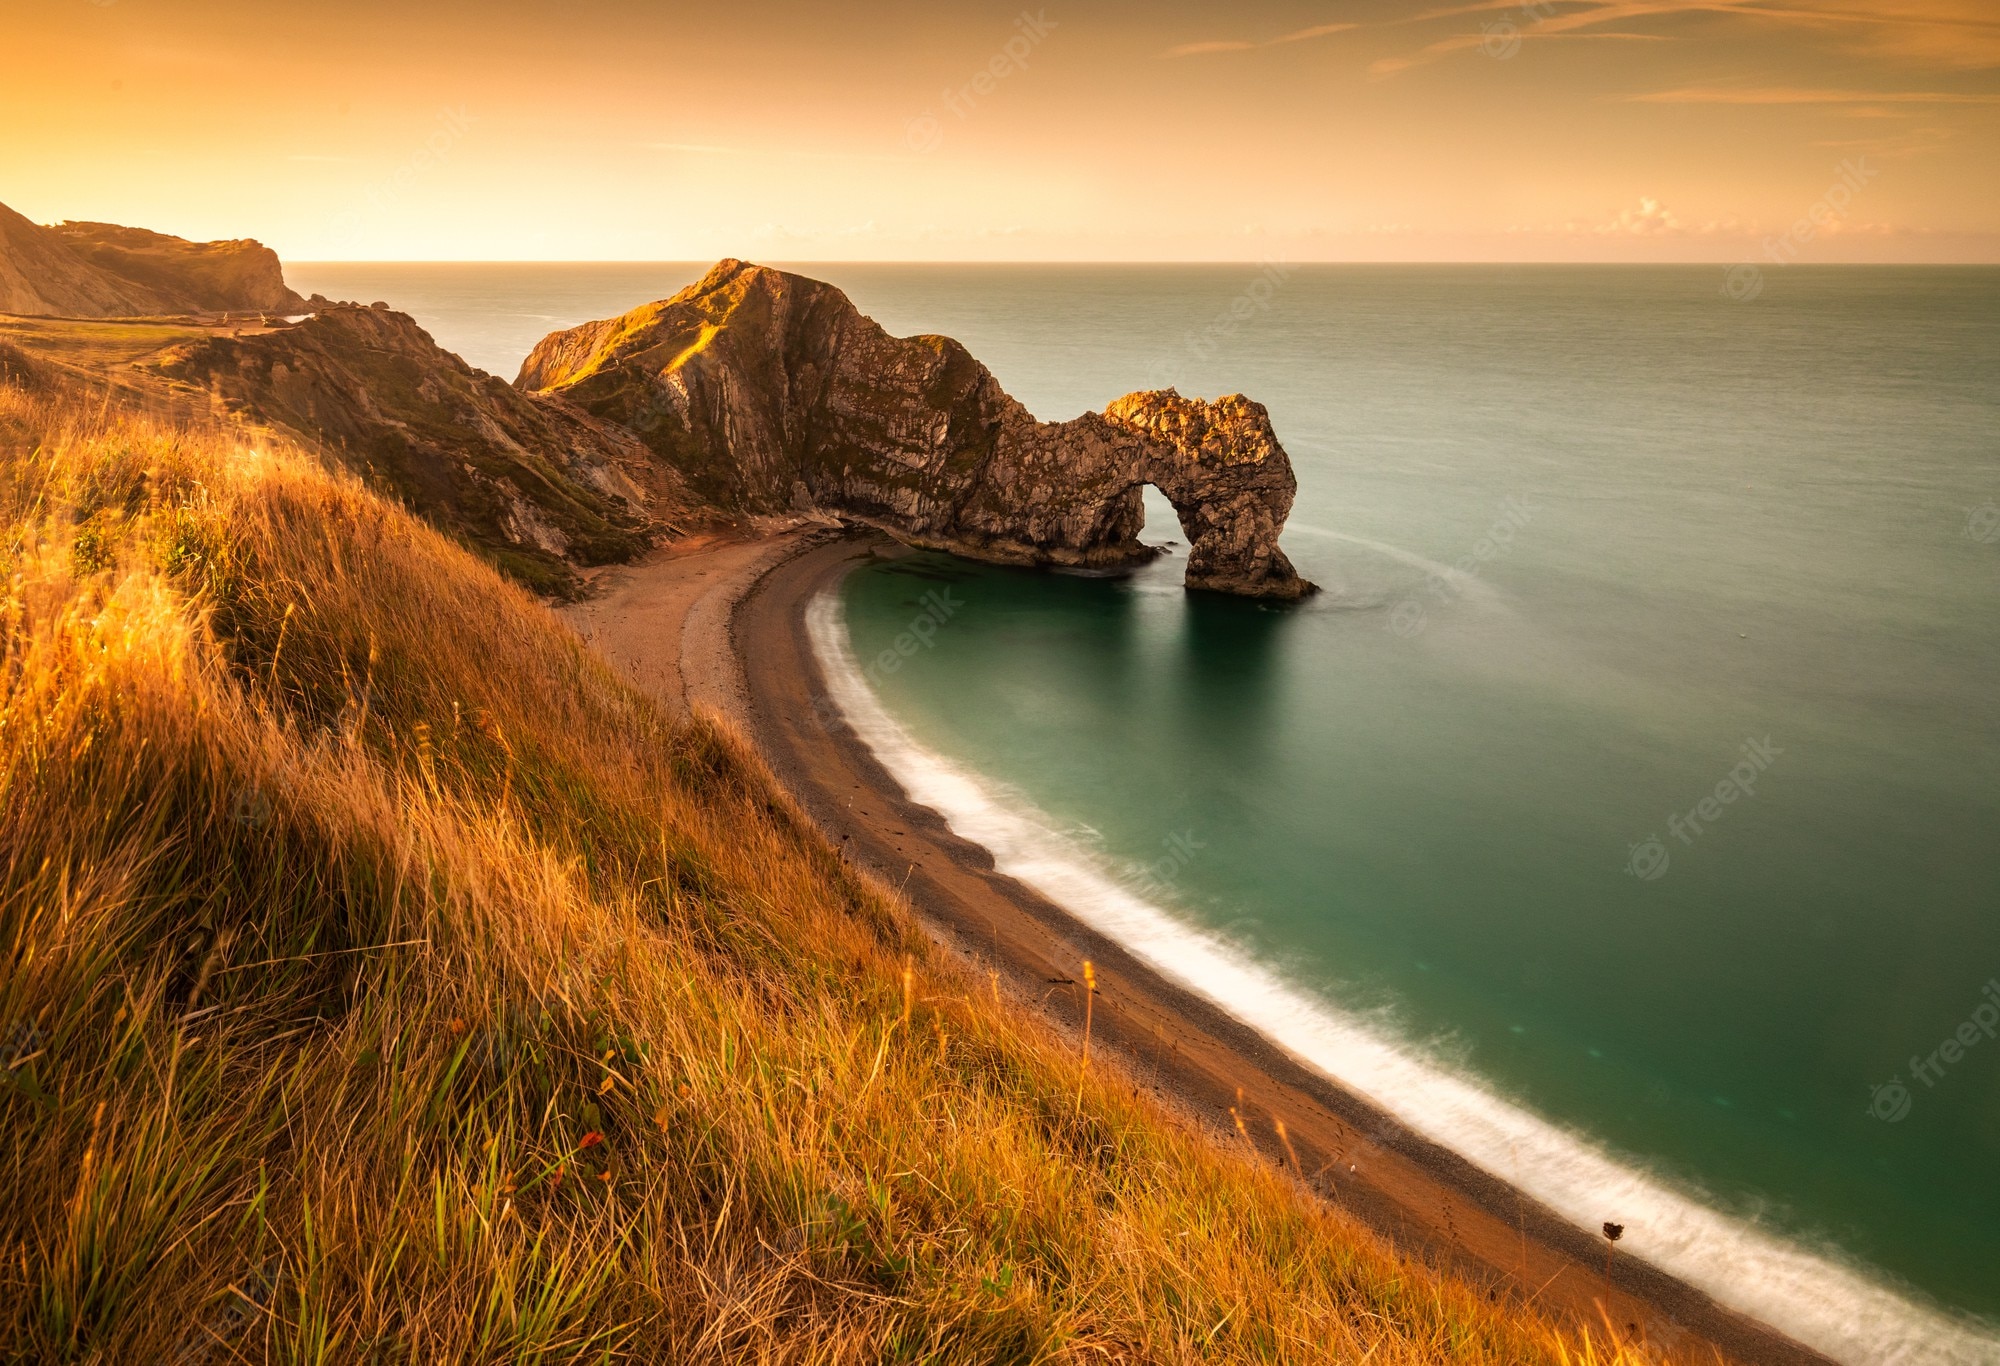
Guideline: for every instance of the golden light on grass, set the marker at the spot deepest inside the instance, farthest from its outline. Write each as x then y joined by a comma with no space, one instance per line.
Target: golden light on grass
247,1129
1089,1001
1290,1151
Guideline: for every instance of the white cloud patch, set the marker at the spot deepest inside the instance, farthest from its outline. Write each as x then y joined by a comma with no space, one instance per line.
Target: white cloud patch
1650,219
1215,45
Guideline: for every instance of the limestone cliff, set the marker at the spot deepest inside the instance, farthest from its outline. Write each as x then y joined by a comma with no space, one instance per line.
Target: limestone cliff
240,276
99,270
530,481
771,392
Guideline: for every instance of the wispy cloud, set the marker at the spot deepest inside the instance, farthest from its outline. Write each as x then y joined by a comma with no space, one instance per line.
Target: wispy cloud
709,149
1957,34
1649,219
1462,42
1796,95
1936,34
1214,45
1202,49
783,232
1652,219
1898,146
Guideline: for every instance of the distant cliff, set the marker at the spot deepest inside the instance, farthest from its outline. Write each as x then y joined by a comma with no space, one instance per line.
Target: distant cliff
98,270
770,392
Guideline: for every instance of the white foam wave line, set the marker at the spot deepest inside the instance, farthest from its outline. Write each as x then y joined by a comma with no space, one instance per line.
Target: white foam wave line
1818,1300
1461,581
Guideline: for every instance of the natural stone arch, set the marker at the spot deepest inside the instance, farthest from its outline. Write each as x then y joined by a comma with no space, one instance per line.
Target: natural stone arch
1230,483
772,393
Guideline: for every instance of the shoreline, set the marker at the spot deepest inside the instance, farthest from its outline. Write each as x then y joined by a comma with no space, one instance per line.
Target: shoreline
733,618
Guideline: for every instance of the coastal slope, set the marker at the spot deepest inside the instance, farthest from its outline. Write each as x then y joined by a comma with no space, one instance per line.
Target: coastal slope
390,981
534,483
771,392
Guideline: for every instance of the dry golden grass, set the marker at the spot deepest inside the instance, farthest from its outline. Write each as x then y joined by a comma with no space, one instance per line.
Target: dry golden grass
387,982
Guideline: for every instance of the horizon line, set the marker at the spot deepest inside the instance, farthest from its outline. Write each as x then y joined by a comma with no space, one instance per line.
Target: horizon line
1263,261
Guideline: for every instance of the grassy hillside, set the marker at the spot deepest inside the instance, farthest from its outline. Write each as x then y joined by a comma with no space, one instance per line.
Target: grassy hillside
387,982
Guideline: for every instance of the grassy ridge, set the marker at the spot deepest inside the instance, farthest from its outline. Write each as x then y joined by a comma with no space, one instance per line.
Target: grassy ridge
385,981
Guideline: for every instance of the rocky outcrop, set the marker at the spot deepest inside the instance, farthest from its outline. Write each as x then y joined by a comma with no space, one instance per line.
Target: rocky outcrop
770,392
99,270
530,481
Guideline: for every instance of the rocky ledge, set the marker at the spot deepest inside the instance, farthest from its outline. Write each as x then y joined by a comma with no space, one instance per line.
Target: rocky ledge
769,393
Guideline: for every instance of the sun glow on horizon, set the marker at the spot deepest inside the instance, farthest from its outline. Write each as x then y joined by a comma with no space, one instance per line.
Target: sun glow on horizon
1544,130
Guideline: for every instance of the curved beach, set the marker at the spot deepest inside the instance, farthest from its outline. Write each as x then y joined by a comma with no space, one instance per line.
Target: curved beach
724,626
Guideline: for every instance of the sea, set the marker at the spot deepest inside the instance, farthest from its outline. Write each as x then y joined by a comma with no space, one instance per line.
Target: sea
1624,812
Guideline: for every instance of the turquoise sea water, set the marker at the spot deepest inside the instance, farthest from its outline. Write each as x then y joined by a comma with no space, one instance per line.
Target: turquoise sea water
1584,534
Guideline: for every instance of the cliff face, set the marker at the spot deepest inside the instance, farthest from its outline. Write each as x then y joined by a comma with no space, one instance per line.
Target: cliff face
770,392
240,276
530,481
40,274
98,270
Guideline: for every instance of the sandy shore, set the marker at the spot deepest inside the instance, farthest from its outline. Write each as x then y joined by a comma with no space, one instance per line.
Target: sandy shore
721,624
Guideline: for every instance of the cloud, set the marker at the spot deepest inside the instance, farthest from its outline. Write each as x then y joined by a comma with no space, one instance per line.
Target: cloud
1961,34
1316,31
1796,95
707,149
1202,49
782,232
1942,34
1495,37
1897,146
1650,219
1937,34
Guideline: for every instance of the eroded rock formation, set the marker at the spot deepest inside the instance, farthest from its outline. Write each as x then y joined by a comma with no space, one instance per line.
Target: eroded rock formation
770,392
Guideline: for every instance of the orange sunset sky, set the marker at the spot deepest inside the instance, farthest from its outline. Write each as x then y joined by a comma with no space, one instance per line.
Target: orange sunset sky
1626,130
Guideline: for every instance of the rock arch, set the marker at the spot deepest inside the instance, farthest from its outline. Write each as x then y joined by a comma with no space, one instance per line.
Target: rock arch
770,392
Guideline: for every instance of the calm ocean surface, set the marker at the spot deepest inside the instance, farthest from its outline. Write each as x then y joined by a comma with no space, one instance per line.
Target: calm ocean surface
1594,542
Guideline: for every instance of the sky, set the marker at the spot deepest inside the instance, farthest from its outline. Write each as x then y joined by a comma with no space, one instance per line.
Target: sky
1551,130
